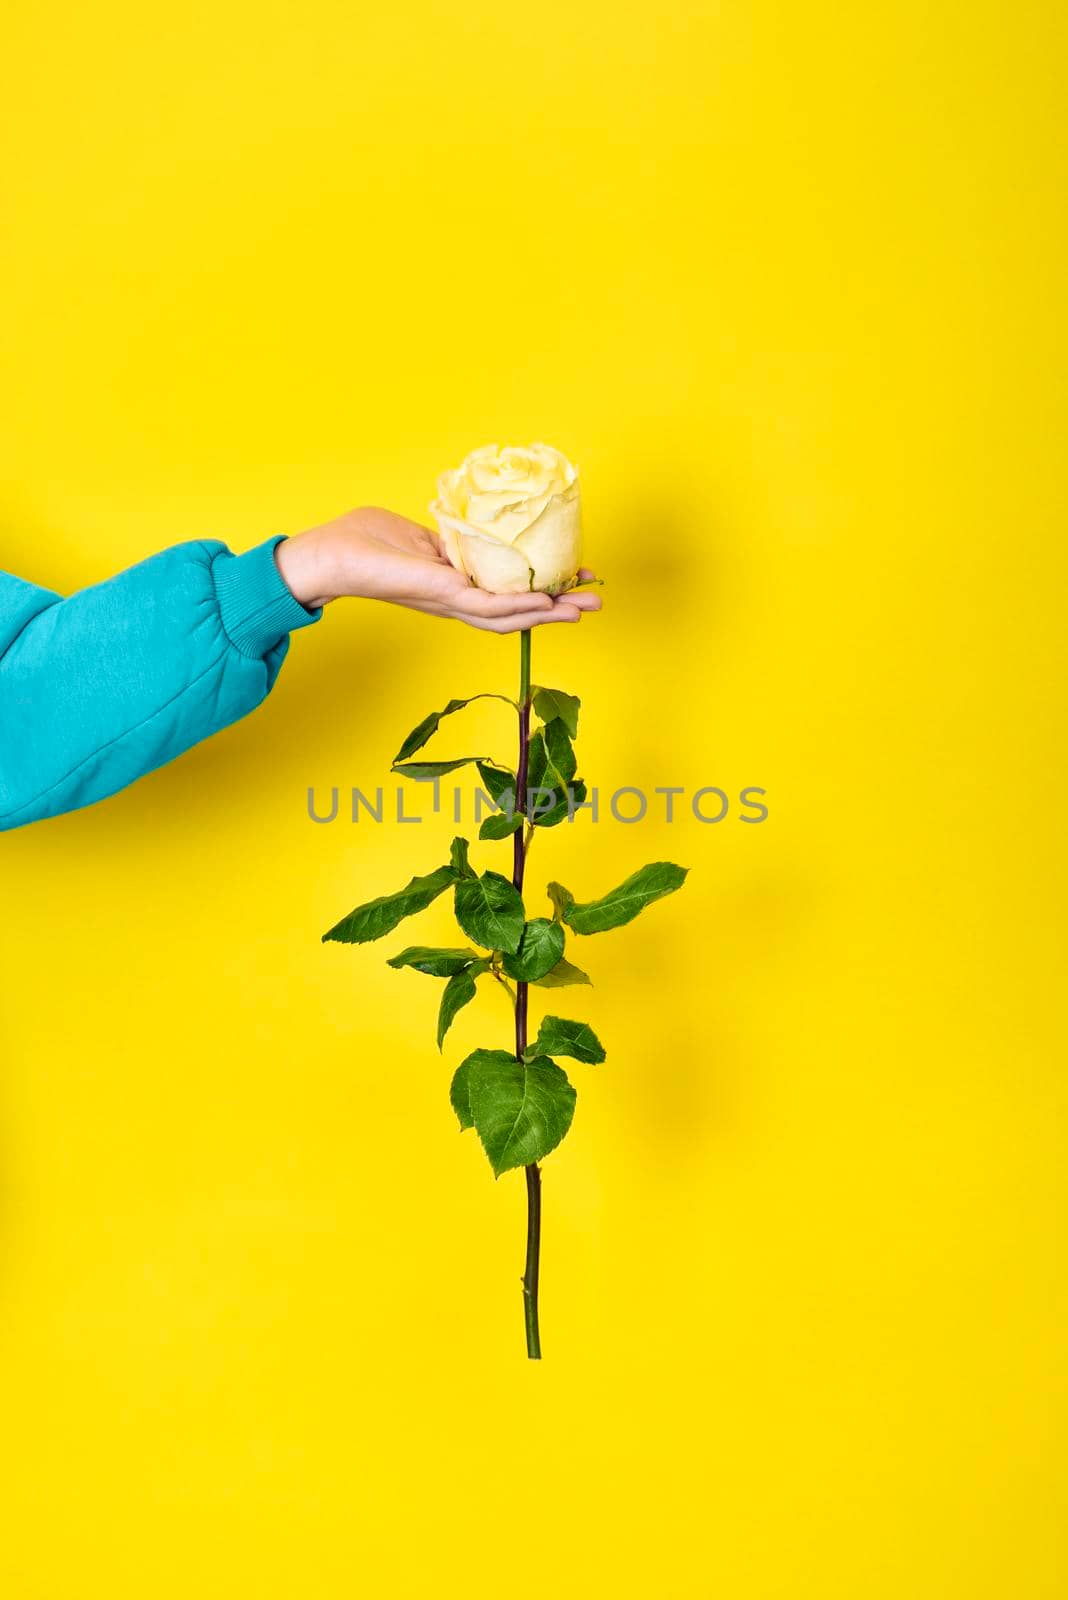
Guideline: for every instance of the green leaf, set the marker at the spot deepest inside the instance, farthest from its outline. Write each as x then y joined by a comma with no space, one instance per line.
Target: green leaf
551,704
562,975
381,916
420,734
459,990
490,911
537,766
562,1036
562,809
560,750
426,771
500,825
429,725
460,1088
540,949
458,855
521,1109
500,784
436,963
623,903
562,900
551,765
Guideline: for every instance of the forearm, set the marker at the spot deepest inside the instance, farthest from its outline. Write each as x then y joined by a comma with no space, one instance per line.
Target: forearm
97,689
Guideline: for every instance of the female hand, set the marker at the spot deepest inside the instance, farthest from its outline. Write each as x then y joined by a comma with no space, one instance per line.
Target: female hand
377,555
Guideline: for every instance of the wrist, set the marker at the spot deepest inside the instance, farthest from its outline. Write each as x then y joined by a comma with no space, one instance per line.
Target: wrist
306,568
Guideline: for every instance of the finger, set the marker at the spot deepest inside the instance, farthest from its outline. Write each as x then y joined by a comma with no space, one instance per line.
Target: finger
480,603
523,619
584,601
586,575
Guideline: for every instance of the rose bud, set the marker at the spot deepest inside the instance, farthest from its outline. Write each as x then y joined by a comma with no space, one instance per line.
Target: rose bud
511,519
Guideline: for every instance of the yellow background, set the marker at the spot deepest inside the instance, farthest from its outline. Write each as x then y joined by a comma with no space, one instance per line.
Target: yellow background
786,279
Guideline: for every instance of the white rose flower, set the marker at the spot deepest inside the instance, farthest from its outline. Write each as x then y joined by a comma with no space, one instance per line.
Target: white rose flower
511,519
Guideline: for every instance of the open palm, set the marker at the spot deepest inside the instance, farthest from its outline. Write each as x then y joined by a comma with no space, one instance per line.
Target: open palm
378,555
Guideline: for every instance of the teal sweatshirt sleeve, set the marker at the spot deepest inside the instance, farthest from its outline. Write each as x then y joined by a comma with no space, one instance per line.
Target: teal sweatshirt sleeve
118,679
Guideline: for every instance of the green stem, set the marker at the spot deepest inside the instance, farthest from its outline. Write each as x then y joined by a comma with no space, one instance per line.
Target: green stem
530,1274
530,1271
524,667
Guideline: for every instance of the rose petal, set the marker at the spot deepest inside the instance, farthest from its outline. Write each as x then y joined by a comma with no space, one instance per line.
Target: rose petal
495,566
553,543
450,537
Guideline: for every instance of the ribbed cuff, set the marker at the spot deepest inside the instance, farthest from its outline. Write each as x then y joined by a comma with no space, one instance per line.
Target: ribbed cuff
256,607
